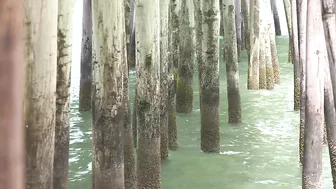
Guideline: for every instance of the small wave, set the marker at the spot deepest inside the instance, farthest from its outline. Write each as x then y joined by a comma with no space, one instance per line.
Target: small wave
229,153
266,182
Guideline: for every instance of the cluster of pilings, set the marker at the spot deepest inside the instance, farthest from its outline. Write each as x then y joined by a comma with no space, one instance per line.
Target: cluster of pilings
263,70
170,36
313,44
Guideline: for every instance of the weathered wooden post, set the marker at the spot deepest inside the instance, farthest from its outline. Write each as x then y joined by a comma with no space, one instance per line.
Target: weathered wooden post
129,152
253,67
40,97
12,162
148,93
173,59
329,20
274,52
108,129
209,77
295,55
238,22
287,6
164,29
247,27
316,57
232,69
186,58
262,47
64,60
302,19
274,8
86,58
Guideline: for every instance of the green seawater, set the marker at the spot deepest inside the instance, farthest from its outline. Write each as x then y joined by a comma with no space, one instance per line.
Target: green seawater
260,153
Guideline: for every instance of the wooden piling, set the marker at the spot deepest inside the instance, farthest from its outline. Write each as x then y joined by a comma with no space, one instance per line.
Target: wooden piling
11,95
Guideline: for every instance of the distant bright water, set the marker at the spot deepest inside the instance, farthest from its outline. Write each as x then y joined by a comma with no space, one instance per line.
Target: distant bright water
261,153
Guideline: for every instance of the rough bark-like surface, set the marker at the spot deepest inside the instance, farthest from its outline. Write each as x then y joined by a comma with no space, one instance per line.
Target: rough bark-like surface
129,151
253,67
86,58
296,56
173,59
329,21
172,130
274,53
209,79
262,61
148,93
198,34
40,101
12,153
330,118
262,48
127,12
175,9
130,27
268,49
316,57
330,30
130,124
108,129
247,26
232,70
287,6
275,61
164,8
325,140
223,12
276,19
330,35
64,59
302,17
185,71
131,59
242,29
238,22
290,49
134,121
243,33
268,60
94,90
221,29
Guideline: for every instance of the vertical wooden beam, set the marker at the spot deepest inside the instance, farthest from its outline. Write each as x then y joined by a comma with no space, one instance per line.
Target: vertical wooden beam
11,95
295,55
86,58
312,177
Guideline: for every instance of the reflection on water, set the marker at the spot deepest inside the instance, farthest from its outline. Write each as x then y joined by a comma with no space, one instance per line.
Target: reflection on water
260,153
